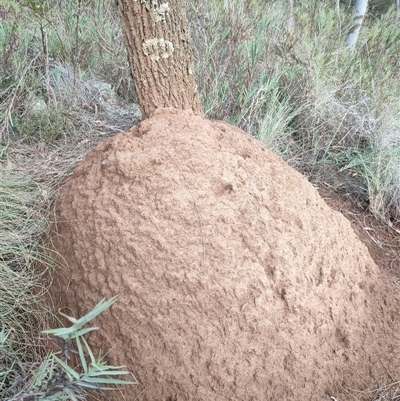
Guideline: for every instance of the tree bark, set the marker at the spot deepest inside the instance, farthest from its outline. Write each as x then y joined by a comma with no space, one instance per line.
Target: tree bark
159,51
290,16
360,11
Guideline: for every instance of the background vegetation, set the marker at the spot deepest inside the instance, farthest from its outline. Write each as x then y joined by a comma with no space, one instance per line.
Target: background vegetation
65,84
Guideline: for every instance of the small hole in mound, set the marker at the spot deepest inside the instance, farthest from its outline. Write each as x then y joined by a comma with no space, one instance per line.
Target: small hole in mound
229,188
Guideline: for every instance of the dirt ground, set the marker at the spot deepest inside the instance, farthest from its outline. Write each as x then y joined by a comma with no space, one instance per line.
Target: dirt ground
235,279
381,239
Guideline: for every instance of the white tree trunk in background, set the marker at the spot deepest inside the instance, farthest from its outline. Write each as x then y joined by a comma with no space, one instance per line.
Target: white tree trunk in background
229,6
360,11
397,2
337,6
290,16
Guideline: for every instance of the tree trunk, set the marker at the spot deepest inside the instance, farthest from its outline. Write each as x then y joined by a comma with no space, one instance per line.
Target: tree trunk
360,11
159,51
397,4
290,15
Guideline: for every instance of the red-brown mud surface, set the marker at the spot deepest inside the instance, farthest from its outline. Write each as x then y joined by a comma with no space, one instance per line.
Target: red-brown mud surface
236,281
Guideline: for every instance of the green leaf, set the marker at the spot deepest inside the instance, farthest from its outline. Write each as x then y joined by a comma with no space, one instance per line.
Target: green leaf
64,333
92,358
89,385
99,308
109,373
74,330
70,318
105,380
67,369
96,372
81,355
82,332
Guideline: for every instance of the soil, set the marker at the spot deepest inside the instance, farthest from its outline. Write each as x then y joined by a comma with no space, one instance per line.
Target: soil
236,280
381,238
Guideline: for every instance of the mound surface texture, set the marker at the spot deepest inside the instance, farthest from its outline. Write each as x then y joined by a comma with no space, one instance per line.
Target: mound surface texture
235,280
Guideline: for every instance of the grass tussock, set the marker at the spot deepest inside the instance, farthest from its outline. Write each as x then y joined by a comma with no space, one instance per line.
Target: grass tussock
23,263
22,226
60,63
